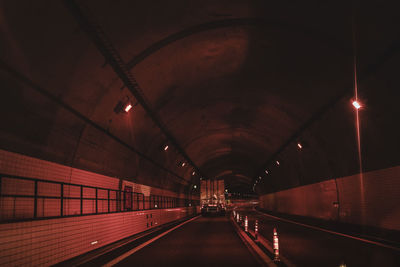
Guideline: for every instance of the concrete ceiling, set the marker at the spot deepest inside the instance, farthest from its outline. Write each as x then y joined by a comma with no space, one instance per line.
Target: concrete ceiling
236,83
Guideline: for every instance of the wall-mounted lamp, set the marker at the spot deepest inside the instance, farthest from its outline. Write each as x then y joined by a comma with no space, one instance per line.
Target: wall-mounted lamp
299,146
128,107
124,106
356,104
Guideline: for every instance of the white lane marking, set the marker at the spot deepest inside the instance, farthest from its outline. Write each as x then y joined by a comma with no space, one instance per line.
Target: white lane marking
332,232
130,252
89,258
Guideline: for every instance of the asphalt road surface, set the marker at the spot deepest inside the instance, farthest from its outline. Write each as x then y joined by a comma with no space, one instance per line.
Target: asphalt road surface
206,241
309,247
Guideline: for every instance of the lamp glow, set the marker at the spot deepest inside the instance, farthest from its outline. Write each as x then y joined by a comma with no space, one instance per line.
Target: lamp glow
128,107
299,146
356,104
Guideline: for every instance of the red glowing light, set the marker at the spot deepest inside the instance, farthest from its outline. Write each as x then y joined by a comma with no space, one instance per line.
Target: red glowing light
128,107
356,104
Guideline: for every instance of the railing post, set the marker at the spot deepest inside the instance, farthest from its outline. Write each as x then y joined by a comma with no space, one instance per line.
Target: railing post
81,199
123,201
35,200
108,199
97,211
62,201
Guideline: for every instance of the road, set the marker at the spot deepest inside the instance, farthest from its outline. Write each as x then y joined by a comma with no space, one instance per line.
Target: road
304,246
206,241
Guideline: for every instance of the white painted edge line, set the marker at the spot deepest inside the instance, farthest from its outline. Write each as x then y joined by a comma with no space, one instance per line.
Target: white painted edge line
332,232
251,245
89,258
132,251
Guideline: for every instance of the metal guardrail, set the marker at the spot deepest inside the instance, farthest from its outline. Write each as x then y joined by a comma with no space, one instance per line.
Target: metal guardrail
23,198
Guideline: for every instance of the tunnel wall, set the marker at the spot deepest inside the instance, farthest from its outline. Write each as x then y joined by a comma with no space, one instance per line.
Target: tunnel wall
376,205
48,241
17,164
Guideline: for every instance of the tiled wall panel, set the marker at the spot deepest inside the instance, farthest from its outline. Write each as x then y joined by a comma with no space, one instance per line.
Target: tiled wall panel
377,204
315,200
46,242
371,199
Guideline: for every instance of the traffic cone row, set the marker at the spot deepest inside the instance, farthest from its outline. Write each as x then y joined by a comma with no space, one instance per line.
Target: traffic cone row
240,221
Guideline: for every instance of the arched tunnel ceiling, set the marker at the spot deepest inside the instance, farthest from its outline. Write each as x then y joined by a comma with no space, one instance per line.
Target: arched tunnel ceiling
232,81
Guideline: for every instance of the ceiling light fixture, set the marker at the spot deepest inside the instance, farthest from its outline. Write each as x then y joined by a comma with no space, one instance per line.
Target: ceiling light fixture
356,104
299,146
128,107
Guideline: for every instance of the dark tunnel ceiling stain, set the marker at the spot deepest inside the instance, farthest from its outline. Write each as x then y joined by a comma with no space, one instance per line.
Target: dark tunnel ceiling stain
257,22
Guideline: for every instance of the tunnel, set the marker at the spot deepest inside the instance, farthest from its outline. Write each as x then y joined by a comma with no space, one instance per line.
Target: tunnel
114,114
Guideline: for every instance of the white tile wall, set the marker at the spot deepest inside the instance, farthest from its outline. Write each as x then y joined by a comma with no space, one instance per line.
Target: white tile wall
46,242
